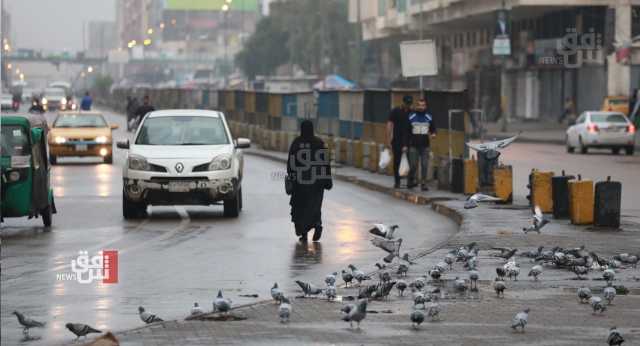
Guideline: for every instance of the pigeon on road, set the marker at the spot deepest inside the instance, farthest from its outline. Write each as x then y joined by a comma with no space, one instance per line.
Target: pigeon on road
147,317
356,313
384,231
584,294
615,338
401,285
609,293
331,292
580,271
435,274
533,254
196,309
80,329
449,259
330,279
512,269
597,305
473,201
221,304
405,258
535,271
460,285
501,272
276,293
284,310
433,311
402,269
609,275
358,274
538,221
499,286
474,276
390,246
27,323
347,277
308,289
505,254
417,317
520,320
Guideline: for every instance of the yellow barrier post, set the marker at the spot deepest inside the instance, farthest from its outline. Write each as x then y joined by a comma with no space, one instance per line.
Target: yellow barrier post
503,183
470,176
581,201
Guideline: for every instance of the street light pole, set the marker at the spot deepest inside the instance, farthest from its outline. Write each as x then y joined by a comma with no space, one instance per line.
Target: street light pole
421,38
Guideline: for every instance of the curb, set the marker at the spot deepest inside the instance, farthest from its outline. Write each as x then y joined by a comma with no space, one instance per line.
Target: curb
531,140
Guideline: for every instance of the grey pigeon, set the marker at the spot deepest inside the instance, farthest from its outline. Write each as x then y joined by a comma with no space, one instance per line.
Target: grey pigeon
27,323
473,201
80,329
499,286
417,317
330,279
435,274
513,270
460,285
474,276
384,276
418,283
449,259
406,258
347,277
196,309
390,246
381,266
433,311
609,293
420,299
147,317
402,270
584,294
493,146
331,292
384,289
441,266
609,274
471,264
384,231
501,272
308,289
537,222
520,320
221,304
358,274
614,338
580,271
276,293
597,305
535,271
401,285
533,254
284,310
367,291
357,313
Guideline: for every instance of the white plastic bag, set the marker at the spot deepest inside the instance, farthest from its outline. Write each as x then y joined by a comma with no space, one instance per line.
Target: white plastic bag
385,159
403,171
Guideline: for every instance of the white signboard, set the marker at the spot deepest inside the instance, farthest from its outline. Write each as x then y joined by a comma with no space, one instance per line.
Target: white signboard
419,58
501,46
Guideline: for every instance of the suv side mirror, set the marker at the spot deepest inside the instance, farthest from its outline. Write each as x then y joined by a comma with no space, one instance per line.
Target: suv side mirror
243,143
36,135
123,144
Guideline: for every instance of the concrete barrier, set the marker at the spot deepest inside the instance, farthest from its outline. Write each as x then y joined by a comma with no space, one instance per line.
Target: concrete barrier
357,153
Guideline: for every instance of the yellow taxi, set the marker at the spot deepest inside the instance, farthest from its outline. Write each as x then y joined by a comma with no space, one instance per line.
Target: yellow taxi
80,134
618,104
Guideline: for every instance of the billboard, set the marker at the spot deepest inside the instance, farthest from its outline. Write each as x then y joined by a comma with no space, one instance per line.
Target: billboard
419,58
211,5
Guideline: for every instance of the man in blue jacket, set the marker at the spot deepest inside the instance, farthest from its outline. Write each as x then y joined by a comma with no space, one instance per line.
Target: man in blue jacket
86,102
422,129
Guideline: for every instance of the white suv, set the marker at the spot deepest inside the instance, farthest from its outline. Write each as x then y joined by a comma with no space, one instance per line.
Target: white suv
182,157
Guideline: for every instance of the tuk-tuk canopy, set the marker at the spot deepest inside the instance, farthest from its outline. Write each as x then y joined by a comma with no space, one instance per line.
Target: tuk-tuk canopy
27,120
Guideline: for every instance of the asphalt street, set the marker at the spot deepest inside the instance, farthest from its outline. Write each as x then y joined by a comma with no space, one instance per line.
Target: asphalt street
179,255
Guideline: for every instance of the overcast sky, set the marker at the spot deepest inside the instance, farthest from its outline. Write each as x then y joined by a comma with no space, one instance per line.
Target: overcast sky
55,24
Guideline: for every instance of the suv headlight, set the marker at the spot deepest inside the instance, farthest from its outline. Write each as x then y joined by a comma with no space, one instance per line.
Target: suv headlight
60,140
220,163
138,163
101,139
44,101
63,101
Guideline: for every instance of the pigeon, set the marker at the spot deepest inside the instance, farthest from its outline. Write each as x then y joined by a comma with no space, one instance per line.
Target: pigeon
435,274
358,274
147,317
356,313
499,286
401,285
221,304
80,329
330,279
449,259
501,272
609,275
520,320
196,309
493,146
433,311
614,338
535,271
609,293
276,293
308,289
577,252
384,231
596,304
331,292
284,310
547,255
347,277
417,317
402,270
585,261
441,267
537,222
532,254
419,299
460,285
381,266
584,294
383,290
405,258
474,276
471,264
390,246
367,291
418,283
384,276
27,323
505,254
513,270
632,260
473,201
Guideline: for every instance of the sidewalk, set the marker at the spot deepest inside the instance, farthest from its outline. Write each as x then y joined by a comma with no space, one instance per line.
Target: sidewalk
556,317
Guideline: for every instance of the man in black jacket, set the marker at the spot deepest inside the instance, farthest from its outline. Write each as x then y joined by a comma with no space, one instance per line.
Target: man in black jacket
398,134
145,108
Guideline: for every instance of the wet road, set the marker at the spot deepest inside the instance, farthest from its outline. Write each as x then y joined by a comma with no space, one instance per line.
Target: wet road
179,255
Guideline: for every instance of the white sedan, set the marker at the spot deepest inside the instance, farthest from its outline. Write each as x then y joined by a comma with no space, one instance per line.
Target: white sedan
183,157
610,130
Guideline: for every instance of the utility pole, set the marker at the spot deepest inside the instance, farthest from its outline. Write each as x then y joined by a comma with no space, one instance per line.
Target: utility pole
421,33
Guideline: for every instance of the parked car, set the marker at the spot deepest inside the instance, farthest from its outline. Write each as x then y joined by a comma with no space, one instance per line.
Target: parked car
183,157
618,104
612,130
80,134
54,99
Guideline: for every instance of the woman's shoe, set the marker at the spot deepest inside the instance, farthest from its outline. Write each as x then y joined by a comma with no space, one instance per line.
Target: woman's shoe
303,237
317,233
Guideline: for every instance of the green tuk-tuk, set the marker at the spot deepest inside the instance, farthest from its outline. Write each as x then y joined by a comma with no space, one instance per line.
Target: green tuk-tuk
26,190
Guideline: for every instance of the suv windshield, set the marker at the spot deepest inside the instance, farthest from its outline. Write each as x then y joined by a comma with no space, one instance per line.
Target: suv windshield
54,92
14,141
608,118
80,120
183,130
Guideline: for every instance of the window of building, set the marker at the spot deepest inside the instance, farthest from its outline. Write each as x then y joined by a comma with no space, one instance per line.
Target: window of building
382,8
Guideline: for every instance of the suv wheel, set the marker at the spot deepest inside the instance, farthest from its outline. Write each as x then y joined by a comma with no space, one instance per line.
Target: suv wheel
233,205
132,210
615,150
46,216
629,150
53,159
108,159
583,148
